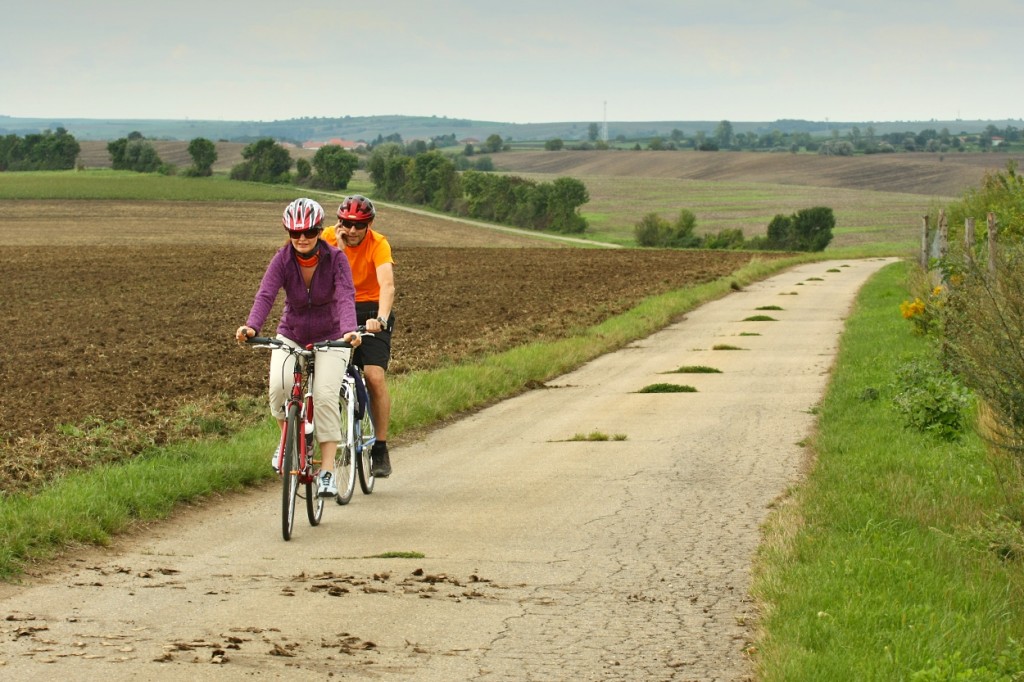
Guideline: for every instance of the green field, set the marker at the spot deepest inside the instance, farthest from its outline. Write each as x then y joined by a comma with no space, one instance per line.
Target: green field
871,223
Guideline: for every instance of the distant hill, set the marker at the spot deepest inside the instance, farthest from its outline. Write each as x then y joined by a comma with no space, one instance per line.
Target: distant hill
369,128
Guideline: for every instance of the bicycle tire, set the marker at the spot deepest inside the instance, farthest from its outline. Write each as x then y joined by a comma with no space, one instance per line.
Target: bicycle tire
314,503
290,471
344,461
366,437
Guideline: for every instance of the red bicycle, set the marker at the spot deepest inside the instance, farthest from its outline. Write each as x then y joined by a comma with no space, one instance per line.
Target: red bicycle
297,461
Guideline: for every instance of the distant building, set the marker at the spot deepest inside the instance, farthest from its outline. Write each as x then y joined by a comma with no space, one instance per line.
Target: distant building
344,144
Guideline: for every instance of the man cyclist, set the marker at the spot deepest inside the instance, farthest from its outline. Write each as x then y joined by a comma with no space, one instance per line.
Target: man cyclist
369,255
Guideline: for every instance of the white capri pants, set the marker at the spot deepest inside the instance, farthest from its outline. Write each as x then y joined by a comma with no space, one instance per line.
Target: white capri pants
331,364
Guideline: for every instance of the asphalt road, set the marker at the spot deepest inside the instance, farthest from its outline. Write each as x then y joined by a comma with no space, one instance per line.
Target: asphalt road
544,557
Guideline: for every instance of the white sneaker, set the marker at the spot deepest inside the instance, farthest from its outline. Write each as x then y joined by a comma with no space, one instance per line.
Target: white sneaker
275,458
327,487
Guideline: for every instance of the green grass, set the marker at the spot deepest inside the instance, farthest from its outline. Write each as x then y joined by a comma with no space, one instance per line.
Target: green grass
127,185
695,369
667,388
886,221
881,564
760,318
725,346
398,555
131,186
596,437
90,507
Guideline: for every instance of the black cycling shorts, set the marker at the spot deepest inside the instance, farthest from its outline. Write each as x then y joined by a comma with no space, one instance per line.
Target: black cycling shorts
374,350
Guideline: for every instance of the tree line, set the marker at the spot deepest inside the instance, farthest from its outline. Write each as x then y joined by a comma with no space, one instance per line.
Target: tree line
49,150
809,229
433,179
836,143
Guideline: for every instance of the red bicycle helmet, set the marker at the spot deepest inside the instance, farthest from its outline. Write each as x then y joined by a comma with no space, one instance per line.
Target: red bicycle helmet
303,214
357,208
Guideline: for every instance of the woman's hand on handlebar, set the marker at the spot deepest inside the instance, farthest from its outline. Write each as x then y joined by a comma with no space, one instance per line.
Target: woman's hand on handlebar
243,333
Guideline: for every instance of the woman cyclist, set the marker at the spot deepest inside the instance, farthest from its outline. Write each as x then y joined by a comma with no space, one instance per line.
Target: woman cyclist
319,305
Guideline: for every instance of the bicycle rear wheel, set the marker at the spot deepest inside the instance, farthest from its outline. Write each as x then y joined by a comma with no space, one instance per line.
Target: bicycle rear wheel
344,460
290,471
314,503
365,438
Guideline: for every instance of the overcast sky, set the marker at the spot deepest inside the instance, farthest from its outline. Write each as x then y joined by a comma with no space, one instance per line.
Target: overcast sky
518,61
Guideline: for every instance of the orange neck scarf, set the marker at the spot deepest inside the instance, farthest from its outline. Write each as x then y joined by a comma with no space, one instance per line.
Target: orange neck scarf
310,260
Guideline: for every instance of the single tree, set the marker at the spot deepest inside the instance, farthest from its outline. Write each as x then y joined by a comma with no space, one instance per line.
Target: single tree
264,161
303,170
334,166
204,154
724,134
493,143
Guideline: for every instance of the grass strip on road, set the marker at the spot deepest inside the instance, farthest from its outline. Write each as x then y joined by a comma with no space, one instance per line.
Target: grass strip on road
881,565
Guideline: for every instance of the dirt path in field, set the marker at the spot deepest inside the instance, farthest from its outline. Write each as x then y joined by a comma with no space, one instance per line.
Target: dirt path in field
544,558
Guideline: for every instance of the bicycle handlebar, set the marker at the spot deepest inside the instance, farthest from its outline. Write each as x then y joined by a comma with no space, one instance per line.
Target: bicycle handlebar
268,342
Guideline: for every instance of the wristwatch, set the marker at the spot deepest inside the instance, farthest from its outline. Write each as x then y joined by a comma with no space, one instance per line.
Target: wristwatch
383,323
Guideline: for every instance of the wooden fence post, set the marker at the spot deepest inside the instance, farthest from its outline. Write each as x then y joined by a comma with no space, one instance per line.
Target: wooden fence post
943,235
969,239
992,227
924,242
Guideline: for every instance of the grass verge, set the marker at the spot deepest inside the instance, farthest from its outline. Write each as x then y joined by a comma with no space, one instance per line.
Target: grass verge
881,565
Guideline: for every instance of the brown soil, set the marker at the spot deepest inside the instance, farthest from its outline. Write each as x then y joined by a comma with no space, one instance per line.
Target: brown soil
913,173
132,316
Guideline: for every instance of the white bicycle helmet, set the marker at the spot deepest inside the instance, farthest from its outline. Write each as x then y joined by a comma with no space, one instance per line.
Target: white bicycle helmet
303,214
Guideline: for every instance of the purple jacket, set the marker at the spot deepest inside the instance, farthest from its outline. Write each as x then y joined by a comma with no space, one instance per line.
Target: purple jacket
324,312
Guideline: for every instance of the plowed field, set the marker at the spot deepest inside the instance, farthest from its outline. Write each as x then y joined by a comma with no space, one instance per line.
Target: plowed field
117,315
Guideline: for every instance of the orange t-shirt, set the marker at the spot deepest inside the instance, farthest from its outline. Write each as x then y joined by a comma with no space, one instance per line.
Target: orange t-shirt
374,251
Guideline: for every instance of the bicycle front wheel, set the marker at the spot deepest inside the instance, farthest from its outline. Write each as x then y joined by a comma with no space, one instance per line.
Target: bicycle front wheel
314,503
290,471
345,461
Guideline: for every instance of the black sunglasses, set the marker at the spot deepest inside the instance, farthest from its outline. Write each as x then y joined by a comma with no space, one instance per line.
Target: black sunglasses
311,233
349,224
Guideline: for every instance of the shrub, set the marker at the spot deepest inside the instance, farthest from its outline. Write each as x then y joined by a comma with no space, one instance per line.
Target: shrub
653,230
135,154
930,399
303,170
729,238
983,340
809,229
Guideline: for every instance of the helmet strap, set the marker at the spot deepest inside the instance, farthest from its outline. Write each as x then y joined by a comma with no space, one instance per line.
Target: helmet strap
310,259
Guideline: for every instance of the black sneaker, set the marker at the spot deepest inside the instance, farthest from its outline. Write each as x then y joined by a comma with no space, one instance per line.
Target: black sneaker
380,463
